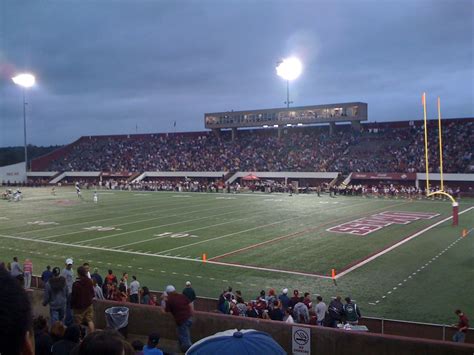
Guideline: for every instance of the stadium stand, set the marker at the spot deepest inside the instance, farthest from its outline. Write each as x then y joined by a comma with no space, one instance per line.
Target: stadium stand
378,147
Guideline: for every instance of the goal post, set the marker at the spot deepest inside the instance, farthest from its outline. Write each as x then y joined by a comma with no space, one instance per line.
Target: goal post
441,191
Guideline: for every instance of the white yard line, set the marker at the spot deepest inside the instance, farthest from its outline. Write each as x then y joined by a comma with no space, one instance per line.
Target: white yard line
159,226
158,256
128,223
193,230
385,251
119,217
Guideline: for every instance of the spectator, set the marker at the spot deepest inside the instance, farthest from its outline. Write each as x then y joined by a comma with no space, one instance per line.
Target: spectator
134,290
15,317
111,277
179,307
462,326
137,347
151,348
276,313
43,341
288,316
335,312
96,276
56,295
295,299
284,299
72,337
320,310
46,275
57,331
301,313
307,300
252,311
145,299
27,272
106,342
190,294
87,268
98,294
68,275
351,312
81,299
15,269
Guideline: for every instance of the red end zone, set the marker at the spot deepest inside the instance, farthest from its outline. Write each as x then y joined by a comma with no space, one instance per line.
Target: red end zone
367,225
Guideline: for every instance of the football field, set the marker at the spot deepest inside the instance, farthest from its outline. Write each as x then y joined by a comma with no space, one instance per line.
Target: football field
397,258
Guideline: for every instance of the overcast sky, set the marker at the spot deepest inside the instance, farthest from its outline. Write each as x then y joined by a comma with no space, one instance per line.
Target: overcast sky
106,67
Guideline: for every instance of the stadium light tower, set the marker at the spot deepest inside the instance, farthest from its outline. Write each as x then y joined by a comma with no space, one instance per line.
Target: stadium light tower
25,80
289,69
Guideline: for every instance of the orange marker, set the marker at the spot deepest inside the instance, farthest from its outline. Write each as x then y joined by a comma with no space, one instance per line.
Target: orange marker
464,233
204,258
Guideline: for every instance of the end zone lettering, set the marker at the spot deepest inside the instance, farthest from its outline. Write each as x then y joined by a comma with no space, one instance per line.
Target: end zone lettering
366,225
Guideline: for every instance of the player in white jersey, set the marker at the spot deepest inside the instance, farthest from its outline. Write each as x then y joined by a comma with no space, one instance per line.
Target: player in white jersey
96,197
78,190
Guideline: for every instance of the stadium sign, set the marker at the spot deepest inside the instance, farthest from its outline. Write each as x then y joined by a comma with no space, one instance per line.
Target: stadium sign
367,225
383,176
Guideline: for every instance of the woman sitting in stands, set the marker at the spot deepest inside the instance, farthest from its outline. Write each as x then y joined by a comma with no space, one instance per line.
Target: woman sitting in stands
145,299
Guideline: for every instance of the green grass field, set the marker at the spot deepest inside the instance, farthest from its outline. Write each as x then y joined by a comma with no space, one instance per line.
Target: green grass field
254,242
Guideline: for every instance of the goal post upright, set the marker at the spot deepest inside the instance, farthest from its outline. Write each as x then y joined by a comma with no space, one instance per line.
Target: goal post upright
441,191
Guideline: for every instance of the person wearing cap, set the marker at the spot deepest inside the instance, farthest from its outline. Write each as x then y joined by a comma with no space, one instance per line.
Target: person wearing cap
55,294
68,275
190,294
284,299
178,305
151,348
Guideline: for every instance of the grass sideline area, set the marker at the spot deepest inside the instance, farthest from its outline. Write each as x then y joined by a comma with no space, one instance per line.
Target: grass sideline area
253,242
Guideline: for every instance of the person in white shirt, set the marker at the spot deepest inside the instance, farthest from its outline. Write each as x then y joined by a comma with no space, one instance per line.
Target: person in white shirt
320,310
288,317
134,289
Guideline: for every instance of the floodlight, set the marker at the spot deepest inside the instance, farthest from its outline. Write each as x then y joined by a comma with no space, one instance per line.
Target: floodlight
289,68
25,80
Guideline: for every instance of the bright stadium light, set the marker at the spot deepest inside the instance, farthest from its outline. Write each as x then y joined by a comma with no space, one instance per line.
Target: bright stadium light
289,69
26,81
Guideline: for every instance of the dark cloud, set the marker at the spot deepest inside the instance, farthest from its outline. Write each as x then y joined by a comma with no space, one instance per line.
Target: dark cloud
110,66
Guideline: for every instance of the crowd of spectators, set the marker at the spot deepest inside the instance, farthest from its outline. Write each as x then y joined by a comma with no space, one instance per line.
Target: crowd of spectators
298,308
385,149
63,336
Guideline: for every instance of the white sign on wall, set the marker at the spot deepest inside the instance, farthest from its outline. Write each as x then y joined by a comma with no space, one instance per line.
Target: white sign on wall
301,340
14,173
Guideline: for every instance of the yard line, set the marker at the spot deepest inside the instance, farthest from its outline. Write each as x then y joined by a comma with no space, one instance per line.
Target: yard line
124,224
396,245
159,226
193,230
250,229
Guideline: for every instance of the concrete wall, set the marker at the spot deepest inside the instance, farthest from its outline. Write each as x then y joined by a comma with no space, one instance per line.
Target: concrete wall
14,173
144,319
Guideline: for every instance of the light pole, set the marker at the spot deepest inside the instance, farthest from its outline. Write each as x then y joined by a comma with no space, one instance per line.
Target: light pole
26,81
289,69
